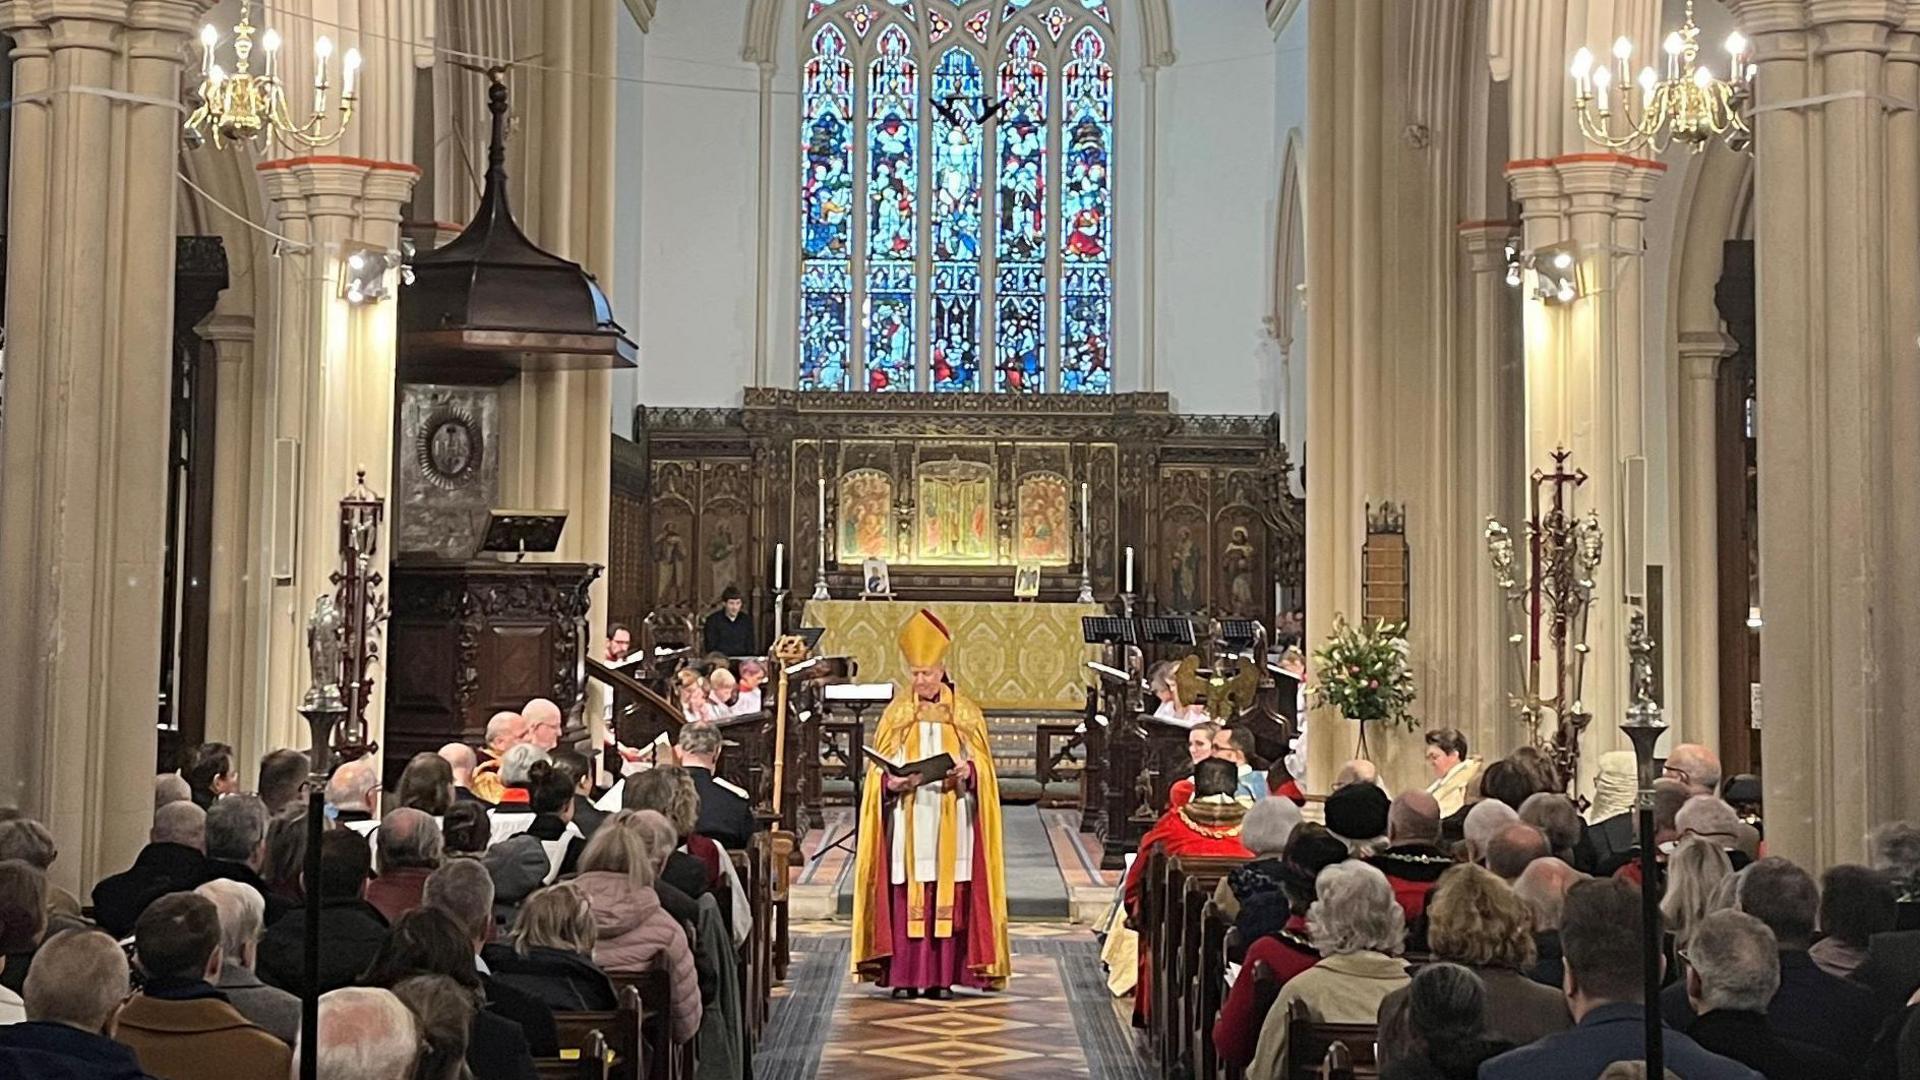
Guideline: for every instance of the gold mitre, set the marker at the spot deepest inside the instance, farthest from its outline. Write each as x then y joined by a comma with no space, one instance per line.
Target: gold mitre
924,641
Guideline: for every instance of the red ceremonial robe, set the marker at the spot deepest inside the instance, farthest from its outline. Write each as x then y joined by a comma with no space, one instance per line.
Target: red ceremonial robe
1205,827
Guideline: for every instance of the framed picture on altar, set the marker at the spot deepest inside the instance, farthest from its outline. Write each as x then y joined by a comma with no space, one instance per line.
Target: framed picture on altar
874,579
1026,581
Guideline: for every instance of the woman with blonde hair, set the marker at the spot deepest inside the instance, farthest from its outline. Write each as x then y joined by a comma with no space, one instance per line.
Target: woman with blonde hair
1694,873
633,934
549,954
1474,919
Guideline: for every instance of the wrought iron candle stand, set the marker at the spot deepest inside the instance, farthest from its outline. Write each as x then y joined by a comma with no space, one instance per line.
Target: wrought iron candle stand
1548,599
1644,726
362,607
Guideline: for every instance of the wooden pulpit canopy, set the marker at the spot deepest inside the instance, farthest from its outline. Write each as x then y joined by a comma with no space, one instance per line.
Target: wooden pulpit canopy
490,303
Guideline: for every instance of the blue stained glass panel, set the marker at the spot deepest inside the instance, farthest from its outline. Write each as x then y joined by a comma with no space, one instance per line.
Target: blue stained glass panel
826,205
1086,203
954,214
893,192
955,350
1020,340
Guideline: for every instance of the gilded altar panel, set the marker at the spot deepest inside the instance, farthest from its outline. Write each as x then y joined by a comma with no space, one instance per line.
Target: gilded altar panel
955,519
866,515
1045,520
1006,655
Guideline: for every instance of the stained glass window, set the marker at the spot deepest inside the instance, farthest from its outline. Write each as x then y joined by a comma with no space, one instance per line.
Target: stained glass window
956,196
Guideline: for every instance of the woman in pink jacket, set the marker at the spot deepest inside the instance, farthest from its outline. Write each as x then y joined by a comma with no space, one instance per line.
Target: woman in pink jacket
635,933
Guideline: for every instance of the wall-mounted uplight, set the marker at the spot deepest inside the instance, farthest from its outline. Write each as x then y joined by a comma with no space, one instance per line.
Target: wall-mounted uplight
1555,268
363,277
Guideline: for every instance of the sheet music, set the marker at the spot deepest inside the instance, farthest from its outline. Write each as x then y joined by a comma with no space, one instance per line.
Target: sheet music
1185,721
1113,673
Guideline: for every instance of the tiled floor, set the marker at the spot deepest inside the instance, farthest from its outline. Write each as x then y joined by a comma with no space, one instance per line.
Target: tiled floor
1053,1019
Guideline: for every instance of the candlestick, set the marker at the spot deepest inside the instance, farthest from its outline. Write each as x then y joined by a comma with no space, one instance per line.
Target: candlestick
779,565
820,562
1129,580
1086,547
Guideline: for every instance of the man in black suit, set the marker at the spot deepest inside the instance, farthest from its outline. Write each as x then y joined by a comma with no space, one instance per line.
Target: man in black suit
1732,974
173,861
726,814
729,631
1810,1006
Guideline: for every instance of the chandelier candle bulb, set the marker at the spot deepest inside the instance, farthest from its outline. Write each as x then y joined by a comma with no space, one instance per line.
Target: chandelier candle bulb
209,38
1583,72
270,44
1602,78
351,64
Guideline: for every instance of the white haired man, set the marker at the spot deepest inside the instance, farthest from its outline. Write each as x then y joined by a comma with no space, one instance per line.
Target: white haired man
406,849
544,723
1733,971
241,924
353,795
505,731
365,1034
726,815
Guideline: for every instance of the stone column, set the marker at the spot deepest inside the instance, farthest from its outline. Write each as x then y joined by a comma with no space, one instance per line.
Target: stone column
1696,716
336,389
1496,471
1837,408
231,717
83,455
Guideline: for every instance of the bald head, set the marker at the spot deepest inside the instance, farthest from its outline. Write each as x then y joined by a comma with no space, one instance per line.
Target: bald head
365,1034
505,731
353,785
1513,848
170,788
408,838
180,823
1695,766
1543,885
461,758
543,723
1414,818
1357,771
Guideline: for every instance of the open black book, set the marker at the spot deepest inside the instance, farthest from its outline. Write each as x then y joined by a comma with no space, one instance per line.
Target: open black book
931,770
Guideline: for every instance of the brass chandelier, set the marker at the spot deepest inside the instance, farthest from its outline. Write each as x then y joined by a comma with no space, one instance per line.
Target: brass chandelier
1689,104
242,106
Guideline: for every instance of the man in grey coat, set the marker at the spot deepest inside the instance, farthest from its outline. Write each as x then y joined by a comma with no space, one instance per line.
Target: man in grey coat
242,920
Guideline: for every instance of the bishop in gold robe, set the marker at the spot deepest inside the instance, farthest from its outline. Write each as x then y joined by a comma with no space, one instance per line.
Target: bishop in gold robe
930,898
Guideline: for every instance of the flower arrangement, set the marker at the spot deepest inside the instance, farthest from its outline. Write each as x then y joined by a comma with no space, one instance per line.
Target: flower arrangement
1363,672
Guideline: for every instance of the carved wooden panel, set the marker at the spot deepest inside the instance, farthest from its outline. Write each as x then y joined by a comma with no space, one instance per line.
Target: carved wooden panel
628,541
722,527
958,488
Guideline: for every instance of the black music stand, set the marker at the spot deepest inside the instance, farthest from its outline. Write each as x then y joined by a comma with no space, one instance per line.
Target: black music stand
1109,630
1162,630
1239,634
517,532
856,774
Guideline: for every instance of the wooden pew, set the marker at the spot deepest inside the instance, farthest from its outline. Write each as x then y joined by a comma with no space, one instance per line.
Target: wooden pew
590,1061
1310,1045
1149,920
660,1057
1187,1027
618,1032
1210,985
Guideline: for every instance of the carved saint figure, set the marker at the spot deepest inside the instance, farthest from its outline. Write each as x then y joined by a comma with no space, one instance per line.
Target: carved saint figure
1184,593
1236,559
669,558
324,649
723,552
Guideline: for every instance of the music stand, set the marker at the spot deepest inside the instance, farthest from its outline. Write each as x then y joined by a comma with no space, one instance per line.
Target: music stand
857,699
1238,634
1162,630
517,532
1109,630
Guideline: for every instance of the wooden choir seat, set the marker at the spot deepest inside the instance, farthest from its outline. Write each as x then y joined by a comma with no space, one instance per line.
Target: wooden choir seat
588,1059
1186,967
618,1032
1316,1050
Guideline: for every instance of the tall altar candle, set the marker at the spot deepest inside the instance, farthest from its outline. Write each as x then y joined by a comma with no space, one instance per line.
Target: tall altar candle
823,518
1129,587
1086,525
779,565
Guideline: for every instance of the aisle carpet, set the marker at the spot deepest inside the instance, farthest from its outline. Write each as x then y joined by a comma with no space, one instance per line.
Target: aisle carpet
1055,1019
1035,889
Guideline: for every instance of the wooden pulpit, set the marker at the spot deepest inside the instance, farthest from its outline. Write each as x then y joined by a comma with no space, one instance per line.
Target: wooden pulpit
467,640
